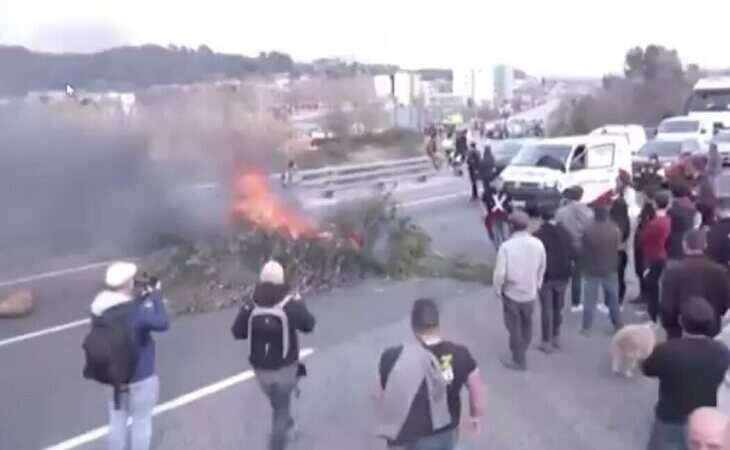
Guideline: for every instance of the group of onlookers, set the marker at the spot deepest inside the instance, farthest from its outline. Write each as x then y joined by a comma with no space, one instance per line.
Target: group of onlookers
681,258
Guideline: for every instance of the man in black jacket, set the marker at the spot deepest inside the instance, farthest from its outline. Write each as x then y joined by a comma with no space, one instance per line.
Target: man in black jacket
271,325
473,161
683,216
560,255
718,239
695,275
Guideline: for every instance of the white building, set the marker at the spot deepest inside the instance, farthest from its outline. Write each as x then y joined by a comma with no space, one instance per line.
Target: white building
475,84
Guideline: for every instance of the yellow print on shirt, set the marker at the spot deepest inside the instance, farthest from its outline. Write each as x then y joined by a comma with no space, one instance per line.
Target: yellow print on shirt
447,369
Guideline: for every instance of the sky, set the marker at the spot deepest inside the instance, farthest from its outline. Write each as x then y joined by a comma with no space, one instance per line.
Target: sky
543,37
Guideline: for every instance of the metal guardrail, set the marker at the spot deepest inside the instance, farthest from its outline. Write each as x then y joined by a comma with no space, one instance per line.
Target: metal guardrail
341,178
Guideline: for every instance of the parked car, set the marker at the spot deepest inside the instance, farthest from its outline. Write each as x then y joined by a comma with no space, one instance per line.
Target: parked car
635,135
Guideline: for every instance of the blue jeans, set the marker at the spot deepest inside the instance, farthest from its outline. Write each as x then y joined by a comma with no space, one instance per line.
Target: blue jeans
136,404
667,436
445,440
500,232
278,385
576,285
609,286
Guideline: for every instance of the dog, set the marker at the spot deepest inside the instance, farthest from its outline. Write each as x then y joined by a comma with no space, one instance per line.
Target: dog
630,346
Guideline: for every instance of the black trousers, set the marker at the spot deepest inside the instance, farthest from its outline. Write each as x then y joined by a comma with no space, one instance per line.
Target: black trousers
651,282
623,261
473,178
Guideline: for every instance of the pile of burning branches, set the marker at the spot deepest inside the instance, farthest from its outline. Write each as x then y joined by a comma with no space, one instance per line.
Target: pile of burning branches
357,240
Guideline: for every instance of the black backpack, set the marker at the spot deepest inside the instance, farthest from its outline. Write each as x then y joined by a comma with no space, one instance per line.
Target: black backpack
272,328
110,354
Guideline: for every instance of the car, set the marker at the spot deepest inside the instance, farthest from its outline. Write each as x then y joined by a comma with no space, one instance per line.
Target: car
506,149
635,135
710,101
541,171
721,142
657,155
685,127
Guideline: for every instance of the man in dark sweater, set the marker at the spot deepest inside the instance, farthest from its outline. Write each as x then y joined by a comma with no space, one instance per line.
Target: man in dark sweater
682,215
694,276
718,239
599,256
560,255
690,370
653,239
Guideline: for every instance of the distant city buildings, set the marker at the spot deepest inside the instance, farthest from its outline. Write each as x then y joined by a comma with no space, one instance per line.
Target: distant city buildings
504,83
474,85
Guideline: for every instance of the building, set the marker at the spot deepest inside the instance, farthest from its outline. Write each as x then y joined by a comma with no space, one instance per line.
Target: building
475,86
504,83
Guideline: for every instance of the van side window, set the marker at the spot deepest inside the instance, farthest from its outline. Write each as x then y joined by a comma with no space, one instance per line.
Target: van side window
578,162
601,156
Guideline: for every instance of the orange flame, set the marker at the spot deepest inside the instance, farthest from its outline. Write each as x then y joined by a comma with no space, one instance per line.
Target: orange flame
255,202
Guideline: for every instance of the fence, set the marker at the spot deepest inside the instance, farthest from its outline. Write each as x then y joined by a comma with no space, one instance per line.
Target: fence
328,180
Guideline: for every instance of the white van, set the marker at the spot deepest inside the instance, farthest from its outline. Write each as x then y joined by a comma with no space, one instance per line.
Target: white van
687,128
635,135
710,100
542,171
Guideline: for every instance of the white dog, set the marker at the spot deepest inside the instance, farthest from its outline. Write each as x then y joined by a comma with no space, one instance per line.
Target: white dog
630,346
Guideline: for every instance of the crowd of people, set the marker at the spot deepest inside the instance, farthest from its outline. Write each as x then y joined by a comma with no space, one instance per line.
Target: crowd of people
681,261
682,264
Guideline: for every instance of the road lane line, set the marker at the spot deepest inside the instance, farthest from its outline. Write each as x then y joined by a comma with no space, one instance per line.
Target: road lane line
45,331
57,273
63,327
432,199
175,403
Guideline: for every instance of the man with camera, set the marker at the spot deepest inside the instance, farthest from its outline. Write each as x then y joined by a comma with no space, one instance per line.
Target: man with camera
271,325
120,351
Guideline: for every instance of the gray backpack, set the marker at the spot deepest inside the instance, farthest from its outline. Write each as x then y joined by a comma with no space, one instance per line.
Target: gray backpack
270,315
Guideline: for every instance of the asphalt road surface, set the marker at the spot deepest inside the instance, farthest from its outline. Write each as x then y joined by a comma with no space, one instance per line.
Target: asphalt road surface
209,400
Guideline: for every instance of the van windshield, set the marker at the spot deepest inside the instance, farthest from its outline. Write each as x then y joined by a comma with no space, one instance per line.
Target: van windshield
679,126
543,155
662,149
710,100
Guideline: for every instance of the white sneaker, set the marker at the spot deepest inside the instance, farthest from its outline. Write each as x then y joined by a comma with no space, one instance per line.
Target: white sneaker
577,309
603,309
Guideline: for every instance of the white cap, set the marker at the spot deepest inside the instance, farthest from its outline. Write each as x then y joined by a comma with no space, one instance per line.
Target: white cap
119,274
272,272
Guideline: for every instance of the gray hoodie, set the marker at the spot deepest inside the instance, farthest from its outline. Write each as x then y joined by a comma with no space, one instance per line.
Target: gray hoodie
575,217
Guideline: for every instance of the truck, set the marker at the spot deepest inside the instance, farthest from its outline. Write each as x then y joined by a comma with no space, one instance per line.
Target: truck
541,171
710,100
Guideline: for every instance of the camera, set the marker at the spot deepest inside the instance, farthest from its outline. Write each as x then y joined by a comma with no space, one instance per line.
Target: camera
145,284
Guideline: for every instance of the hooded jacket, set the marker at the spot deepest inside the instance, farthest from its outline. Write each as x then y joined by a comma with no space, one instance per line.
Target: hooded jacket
559,251
718,242
264,331
142,316
575,217
682,215
693,276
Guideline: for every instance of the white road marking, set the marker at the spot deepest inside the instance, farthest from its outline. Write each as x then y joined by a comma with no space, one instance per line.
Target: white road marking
60,272
433,199
175,403
71,270
43,332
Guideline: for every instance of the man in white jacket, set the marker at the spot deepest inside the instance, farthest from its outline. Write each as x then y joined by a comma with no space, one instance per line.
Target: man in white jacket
518,277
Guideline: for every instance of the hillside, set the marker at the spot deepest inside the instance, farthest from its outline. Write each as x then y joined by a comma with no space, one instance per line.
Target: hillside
129,68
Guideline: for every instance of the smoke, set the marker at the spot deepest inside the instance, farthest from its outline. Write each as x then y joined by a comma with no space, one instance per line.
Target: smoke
70,190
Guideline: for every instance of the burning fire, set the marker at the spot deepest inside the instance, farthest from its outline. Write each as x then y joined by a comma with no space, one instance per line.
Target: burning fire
255,202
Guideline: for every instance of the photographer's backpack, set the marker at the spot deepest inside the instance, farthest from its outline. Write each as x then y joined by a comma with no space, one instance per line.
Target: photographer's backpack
270,317
110,354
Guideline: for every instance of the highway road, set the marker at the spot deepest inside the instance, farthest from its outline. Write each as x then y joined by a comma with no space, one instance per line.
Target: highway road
209,400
